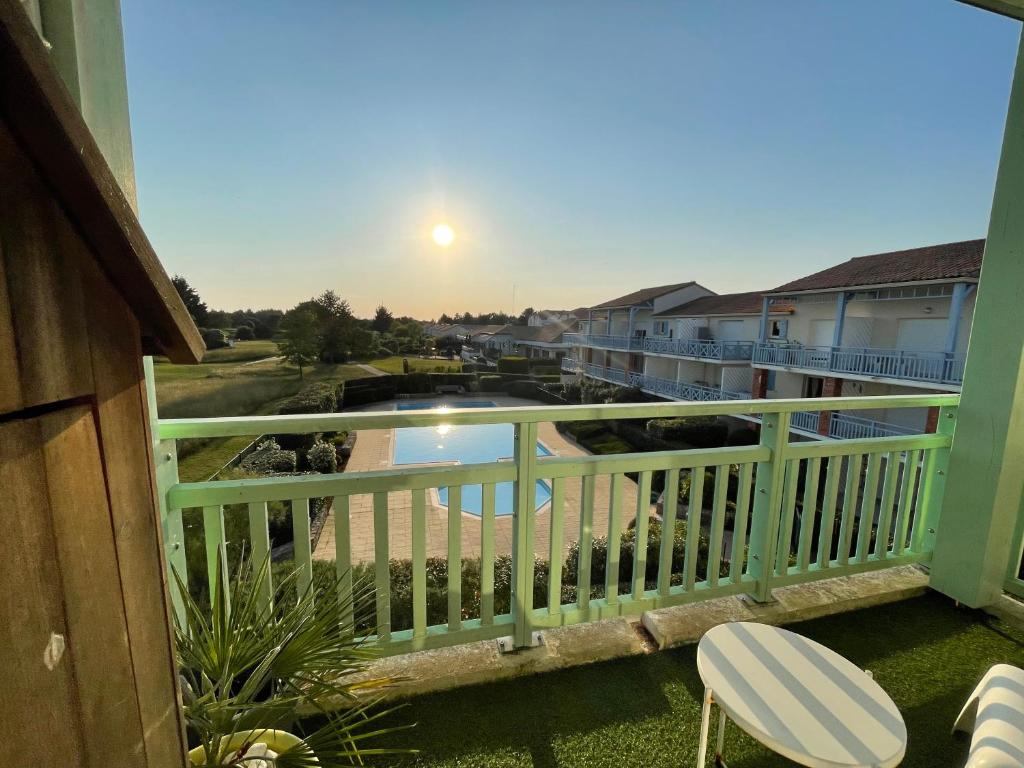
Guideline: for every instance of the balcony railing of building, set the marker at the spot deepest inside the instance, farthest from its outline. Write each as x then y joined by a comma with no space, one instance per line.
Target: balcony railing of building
605,341
846,426
701,349
570,365
878,501
929,367
681,390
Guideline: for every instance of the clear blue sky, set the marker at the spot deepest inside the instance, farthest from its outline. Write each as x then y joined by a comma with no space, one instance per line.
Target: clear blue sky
580,150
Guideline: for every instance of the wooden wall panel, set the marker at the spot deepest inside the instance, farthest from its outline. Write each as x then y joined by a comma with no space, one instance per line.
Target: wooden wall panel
38,702
123,423
94,608
42,305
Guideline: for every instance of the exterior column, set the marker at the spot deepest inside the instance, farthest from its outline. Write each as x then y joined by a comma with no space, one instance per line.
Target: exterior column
762,333
608,330
975,543
956,309
759,384
931,421
837,332
632,320
590,322
832,387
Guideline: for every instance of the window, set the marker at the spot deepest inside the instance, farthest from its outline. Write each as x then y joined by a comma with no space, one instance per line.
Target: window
779,329
661,328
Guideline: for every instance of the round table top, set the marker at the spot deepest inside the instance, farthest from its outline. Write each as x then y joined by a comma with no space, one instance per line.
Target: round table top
799,698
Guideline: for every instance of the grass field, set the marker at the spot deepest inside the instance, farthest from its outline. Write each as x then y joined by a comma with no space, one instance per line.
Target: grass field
645,711
231,382
394,364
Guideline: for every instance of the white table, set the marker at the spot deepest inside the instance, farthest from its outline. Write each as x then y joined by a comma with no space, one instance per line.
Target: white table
796,697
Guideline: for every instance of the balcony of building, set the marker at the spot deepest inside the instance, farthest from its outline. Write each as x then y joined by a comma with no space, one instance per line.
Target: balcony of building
704,350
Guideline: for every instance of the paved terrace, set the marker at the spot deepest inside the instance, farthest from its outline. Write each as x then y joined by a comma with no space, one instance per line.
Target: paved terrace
373,450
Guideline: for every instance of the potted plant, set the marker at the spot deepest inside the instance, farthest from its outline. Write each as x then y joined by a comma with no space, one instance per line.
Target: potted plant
250,667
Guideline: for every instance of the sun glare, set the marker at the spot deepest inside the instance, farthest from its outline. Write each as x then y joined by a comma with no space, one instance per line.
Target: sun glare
443,235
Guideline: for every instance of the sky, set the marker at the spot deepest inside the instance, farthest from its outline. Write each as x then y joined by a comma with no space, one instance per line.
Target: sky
579,150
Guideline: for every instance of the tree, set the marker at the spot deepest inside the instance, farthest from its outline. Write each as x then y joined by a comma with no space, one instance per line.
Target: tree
193,303
524,316
382,320
299,343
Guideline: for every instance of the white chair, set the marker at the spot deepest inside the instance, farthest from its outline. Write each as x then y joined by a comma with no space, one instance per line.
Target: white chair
994,715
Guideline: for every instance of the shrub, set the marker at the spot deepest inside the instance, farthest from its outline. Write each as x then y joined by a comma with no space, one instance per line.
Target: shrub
315,398
546,368
244,333
491,383
268,457
742,436
527,389
417,383
698,431
513,365
372,389
571,392
214,338
322,457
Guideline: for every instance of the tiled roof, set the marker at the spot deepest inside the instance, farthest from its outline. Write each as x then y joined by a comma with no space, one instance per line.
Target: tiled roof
934,262
726,304
547,334
642,296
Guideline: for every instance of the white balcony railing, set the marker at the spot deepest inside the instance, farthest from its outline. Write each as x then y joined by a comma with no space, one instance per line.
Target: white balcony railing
605,341
571,365
701,349
911,365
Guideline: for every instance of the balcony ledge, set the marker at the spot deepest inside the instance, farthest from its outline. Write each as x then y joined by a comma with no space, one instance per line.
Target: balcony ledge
564,647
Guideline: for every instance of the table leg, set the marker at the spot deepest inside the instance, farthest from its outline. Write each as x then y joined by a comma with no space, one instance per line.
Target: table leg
720,746
705,722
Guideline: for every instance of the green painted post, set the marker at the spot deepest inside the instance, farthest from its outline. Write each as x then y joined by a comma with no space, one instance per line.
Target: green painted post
764,525
986,461
165,462
523,516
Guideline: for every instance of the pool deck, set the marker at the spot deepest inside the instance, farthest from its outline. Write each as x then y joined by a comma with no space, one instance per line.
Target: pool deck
373,450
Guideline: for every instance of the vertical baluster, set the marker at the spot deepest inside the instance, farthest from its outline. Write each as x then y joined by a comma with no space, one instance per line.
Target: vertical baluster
808,514
303,546
853,467
381,569
867,506
892,471
828,509
905,507
586,542
487,554
259,537
216,549
643,506
611,581
693,516
419,565
717,524
343,562
668,527
739,525
174,546
454,558
555,546
788,513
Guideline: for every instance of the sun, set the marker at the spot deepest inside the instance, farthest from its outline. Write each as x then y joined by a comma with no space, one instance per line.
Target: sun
443,235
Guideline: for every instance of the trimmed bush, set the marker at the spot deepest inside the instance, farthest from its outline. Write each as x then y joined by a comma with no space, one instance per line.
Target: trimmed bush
492,383
527,389
315,398
697,431
513,365
244,333
322,457
546,368
267,458
214,338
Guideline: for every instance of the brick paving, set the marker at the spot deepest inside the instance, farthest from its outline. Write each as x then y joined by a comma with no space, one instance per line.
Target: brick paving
373,450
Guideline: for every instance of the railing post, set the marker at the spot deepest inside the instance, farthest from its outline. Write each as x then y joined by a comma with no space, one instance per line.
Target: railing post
764,525
524,512
165,464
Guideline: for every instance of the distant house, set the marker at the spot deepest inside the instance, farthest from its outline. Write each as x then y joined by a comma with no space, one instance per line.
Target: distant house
544,341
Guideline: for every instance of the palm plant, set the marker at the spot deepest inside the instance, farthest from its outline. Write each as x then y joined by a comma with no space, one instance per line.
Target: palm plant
256,658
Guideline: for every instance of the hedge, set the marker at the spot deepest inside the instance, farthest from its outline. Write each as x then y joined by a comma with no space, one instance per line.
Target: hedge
698,431
320,397
513,365
268,457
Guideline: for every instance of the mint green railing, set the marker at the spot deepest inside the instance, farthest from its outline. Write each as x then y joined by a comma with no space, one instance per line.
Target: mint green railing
870,503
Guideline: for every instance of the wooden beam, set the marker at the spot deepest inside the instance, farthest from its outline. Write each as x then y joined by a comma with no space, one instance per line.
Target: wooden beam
47,124
1012,8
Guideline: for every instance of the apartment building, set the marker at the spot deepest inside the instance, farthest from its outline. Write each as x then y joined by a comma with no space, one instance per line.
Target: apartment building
889,323
532,341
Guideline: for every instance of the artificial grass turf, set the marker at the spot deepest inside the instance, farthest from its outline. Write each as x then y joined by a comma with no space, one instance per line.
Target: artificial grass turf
645,711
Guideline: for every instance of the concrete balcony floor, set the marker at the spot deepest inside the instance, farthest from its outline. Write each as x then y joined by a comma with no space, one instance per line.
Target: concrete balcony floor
645,710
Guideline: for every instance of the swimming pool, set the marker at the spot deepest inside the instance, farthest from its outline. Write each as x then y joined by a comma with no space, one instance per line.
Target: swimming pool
476,444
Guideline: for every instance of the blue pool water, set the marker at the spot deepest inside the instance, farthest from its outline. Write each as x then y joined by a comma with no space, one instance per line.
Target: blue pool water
477,444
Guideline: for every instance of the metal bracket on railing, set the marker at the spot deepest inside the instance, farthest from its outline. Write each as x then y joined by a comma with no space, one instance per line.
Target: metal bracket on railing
507,644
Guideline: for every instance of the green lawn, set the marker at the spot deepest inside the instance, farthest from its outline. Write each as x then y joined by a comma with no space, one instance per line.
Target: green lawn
231,384
394,364
645,711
